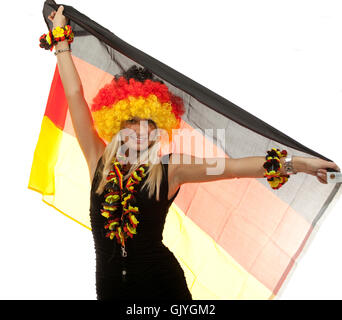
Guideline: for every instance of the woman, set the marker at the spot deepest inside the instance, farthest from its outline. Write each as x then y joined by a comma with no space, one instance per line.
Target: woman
132,188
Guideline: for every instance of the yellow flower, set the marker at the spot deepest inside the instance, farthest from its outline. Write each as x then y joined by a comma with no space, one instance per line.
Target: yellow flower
109,208
112,198
130,208
274,183
58,32
67,30
105,214
134,219
120,234
131,230
48,39
111,225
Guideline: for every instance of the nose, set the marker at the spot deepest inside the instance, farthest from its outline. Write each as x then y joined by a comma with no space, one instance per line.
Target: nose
143,129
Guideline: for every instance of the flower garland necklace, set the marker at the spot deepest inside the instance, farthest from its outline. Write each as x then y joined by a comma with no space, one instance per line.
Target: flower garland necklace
121,223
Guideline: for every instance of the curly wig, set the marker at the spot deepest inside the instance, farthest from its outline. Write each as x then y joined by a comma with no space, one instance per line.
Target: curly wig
135,93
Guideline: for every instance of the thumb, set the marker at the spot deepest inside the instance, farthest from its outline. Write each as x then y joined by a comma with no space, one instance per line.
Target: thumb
334,166
60,8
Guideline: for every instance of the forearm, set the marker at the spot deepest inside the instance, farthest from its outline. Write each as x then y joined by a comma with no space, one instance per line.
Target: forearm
67,70
252,167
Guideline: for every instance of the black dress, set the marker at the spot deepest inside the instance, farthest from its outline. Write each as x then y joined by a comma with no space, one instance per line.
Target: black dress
152,271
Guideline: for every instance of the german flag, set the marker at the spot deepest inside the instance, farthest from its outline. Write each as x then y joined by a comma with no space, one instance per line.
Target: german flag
234,238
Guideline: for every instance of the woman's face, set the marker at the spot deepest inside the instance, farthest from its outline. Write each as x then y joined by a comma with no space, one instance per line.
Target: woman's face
138,134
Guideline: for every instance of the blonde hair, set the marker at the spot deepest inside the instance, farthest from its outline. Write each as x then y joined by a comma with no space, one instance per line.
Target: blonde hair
150,156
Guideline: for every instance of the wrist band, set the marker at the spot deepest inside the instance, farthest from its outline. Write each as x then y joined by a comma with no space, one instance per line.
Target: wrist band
272,167
61,50
288,165
47,41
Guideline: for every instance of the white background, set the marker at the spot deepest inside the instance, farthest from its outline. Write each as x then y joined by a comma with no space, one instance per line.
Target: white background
279,60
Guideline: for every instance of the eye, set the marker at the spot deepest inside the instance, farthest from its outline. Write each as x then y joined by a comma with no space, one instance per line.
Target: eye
131,121
151,122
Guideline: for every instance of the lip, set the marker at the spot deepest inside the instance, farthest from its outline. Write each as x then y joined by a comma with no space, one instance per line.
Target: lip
139,140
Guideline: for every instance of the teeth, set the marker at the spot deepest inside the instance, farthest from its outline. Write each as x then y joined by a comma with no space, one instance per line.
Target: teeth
139,139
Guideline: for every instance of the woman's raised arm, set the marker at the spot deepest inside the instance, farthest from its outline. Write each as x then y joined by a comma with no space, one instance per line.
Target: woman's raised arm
91,144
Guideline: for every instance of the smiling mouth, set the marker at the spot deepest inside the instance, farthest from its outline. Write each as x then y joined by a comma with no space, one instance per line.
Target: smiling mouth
139,140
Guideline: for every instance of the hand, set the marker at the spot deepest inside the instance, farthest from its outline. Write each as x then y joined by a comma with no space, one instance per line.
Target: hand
57,17
318,167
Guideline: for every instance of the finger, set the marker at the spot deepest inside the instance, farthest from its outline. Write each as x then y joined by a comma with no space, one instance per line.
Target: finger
322,177
333,165
321,181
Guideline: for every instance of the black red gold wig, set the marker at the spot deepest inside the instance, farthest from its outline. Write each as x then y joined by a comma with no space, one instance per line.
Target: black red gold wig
135,94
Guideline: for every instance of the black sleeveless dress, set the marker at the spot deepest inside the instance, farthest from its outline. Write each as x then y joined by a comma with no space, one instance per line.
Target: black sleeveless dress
152,271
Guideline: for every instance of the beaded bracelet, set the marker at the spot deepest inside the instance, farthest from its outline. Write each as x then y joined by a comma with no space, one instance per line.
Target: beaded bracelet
48,41
272,167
